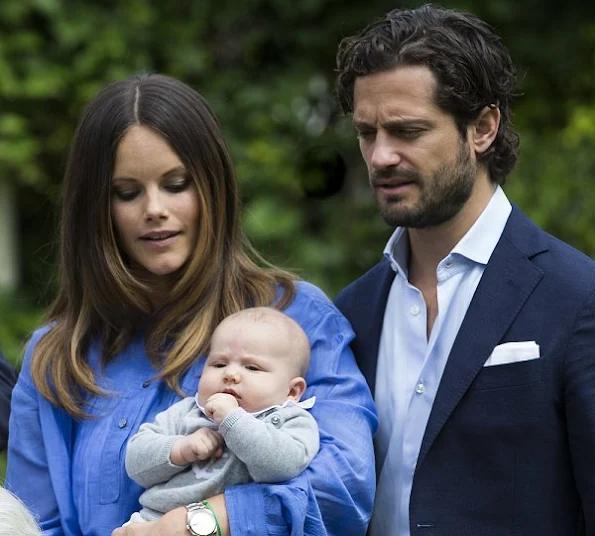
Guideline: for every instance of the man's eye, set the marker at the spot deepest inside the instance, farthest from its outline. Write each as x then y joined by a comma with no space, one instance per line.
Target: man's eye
366,134
409,133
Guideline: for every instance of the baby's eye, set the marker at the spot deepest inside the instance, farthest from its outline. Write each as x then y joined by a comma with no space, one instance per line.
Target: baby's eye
217,365
252,367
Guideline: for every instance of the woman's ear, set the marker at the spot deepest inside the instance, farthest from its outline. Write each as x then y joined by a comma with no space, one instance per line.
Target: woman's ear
484,129
297,386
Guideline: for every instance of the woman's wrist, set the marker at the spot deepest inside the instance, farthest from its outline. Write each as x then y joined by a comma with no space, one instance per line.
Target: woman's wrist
208,505
219,508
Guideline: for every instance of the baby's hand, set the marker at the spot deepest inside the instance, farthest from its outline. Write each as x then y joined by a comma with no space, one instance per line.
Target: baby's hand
219,405
200,445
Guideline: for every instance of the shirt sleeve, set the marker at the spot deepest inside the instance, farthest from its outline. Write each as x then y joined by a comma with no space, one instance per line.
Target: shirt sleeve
28,455
335,494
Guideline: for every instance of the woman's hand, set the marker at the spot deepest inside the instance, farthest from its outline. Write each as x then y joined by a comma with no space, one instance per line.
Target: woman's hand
171,524
174,522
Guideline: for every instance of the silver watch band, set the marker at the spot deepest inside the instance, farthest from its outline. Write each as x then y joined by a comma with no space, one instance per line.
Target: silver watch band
200,520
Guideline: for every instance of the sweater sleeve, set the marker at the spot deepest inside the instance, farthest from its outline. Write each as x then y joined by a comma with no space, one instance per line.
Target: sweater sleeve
276,449
148,451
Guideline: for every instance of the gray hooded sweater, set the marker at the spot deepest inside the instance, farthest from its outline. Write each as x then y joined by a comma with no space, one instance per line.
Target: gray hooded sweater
272,446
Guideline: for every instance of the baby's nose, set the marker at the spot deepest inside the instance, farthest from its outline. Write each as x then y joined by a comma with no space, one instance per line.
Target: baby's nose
232,375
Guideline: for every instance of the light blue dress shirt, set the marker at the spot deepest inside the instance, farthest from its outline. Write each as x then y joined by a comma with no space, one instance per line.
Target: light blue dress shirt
71,473
410,365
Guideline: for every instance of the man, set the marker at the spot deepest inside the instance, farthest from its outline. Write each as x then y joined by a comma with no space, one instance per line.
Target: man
476,331
8,378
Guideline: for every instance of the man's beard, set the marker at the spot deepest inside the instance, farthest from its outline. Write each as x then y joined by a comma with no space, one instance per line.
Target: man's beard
441,196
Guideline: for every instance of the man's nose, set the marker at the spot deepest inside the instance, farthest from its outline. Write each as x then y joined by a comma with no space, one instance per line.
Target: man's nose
385,152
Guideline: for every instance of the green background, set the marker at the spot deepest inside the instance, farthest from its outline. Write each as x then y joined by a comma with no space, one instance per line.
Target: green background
267,68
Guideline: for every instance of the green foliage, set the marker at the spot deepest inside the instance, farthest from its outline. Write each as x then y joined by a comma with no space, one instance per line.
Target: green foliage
266,66
19,319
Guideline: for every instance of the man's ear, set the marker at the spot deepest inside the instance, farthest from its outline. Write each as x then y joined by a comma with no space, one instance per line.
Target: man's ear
484,129
297,386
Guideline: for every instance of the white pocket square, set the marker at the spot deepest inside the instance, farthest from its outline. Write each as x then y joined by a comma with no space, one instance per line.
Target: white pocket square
513,352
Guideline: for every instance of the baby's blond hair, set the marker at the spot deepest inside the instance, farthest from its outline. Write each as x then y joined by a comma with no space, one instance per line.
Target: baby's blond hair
299,345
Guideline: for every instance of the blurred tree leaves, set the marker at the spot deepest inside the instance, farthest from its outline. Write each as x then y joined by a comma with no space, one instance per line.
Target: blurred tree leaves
267,68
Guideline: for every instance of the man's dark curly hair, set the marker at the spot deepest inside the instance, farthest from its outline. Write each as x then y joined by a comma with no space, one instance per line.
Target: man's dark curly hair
472,67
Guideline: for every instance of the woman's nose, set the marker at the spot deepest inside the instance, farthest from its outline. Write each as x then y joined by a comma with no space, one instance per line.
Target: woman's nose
155,208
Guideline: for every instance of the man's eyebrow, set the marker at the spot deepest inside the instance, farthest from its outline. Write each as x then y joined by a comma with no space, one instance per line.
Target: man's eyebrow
395,123
360,125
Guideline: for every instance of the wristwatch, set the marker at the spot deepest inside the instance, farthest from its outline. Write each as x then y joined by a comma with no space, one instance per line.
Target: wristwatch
200,520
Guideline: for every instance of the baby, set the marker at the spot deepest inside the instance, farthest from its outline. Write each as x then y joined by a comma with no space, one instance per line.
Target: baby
245,424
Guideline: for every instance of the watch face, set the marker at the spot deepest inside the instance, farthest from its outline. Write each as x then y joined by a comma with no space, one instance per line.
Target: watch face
203,523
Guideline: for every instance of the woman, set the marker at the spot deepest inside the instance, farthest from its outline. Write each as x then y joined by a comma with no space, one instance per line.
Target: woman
152,259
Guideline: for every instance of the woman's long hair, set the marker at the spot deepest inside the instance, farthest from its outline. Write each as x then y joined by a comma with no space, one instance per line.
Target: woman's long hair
100,300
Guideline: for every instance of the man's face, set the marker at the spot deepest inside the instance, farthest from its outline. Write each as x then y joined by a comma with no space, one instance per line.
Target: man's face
421,171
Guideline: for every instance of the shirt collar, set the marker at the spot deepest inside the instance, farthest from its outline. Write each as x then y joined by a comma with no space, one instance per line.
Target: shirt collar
477,244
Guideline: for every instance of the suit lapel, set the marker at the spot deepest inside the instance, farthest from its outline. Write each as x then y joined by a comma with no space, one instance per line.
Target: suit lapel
363,304
370,320
507,282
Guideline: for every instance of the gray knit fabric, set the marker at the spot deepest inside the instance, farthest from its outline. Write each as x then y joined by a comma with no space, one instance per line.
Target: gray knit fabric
273,446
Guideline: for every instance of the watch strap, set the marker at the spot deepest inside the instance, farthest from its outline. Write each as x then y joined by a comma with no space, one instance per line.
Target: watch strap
196,507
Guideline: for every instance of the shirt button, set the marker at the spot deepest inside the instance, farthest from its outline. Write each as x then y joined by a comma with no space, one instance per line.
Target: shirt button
146,383
414,310
448,264
420,388
122,423
276,420
393,265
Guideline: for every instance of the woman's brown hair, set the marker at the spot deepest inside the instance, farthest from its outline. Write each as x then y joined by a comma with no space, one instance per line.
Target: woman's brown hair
100,300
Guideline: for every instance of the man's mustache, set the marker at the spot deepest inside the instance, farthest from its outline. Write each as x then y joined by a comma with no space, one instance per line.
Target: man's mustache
382,176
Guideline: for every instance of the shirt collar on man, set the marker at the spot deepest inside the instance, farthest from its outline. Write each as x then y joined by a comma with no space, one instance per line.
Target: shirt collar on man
477,244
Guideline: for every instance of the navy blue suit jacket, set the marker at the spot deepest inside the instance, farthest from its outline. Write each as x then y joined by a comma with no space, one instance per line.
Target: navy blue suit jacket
8,378
508,449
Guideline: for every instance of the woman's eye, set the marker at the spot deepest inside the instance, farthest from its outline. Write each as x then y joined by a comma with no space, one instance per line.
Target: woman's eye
126,195
178,186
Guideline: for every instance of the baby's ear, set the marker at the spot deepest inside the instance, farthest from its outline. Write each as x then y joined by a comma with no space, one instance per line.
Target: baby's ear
297,386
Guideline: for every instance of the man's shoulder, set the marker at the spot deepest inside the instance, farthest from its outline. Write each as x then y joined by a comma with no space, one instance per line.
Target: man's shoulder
554,257
363,284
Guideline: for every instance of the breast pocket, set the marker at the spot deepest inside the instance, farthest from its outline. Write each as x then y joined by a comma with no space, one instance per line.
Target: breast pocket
509,375
120,423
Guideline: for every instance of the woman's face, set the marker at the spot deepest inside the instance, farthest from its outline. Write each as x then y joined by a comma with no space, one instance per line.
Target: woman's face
154,204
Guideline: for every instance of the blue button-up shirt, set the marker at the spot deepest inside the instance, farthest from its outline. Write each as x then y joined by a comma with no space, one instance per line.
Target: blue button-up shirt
410,365
71,473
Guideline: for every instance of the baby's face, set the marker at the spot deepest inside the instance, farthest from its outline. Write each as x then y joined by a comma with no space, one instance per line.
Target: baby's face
251,361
